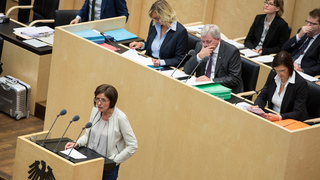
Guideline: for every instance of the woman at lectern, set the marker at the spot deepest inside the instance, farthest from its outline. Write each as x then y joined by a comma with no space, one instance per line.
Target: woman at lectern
111,134
285,91
269,31
167,39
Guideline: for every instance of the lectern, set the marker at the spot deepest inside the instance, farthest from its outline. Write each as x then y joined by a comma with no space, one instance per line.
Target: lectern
33,160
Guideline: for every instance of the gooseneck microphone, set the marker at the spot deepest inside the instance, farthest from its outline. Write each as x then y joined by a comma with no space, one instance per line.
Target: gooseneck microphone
190,53
204,59
75,118
62,112
88,125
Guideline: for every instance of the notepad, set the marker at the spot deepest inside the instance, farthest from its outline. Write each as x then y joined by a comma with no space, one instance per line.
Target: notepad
121,34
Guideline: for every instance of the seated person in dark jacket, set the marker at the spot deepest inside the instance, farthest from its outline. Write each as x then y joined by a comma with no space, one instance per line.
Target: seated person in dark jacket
285,91
224,66
167,39
304,47
269,31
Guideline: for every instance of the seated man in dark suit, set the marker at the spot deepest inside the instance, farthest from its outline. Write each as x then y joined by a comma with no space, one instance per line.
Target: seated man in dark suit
224,66
101,9
304,47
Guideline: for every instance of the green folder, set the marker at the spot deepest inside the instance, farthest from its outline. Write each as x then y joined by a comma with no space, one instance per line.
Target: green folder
216,90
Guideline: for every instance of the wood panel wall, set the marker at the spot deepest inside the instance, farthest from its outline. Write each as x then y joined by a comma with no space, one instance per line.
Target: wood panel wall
232,16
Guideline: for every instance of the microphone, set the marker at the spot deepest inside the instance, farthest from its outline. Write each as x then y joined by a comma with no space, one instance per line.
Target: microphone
204,59
190,53
75,118
106,38
88,125
62,112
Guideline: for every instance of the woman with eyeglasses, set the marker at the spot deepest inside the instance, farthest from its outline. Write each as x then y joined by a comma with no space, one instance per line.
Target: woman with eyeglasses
269,31
111,134
285,91
167,39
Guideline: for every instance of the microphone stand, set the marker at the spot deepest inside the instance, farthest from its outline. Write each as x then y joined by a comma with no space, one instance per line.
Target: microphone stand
88,125
75,118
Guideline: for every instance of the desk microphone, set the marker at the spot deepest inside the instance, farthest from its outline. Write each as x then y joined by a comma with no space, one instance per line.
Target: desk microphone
75,118
88,125
106,38
204,59
62,112
190,53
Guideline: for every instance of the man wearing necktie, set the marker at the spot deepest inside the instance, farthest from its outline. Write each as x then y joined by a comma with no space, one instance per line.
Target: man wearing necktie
304,47
224,66
101,9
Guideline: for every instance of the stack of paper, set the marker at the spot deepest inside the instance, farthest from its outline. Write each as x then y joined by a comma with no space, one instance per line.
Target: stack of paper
249,53
216,90
236,44
264,59
194,29
34,32
133,55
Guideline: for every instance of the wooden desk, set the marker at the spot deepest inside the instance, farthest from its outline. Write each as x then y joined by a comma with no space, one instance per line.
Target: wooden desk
27,63
182,132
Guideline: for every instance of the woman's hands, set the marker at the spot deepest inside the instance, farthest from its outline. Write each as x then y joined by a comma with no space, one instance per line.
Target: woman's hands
70,145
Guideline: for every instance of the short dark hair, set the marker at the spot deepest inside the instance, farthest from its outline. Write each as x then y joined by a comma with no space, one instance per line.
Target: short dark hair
315,14
283,58
109,91
279,4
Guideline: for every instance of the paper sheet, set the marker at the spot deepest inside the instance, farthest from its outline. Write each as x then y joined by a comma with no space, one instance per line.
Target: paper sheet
264,59
48,39
74,154
307,77
236,44
249,53
35,43
133,55
176,74
192,81
194,29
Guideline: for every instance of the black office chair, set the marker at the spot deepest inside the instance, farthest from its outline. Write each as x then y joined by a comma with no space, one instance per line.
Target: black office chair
43,12
250,73
192,41
1,46
313,100
64,17
3,6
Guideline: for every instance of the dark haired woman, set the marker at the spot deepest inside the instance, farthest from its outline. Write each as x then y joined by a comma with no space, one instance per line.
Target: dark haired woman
111,134
285,91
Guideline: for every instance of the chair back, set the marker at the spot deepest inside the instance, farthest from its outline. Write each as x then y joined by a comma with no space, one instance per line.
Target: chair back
250,73
3,6
313,100
64,17
192,41
45,9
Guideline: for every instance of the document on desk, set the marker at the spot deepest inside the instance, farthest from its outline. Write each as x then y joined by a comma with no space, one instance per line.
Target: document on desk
308,77
264,59
133,55
177,74
74,154
236,44
249,53
35,43
48,39
194,29
34,32
192,81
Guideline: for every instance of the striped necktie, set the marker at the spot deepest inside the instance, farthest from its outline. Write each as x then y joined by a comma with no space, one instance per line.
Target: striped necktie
209,68
301,49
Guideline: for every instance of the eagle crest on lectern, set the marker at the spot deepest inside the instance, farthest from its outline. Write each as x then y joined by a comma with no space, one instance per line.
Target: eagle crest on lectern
37,173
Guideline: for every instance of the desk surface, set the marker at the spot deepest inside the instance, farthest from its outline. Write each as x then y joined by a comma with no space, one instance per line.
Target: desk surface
6,31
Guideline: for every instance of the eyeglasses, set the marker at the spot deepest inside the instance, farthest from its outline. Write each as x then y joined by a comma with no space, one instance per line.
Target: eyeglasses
156,18
206,42
280,71
102,101
313,24
269,3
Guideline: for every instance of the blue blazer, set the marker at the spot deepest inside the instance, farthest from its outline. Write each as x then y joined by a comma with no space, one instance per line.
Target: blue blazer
277,35
109,9
310,62
294,100
173,47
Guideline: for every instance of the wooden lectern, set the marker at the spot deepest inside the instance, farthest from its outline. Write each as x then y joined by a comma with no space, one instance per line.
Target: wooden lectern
33,160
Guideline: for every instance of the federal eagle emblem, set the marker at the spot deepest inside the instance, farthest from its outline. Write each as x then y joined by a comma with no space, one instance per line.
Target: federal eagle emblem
40,174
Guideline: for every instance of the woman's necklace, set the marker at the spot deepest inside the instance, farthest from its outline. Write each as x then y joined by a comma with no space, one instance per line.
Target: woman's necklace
283,83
